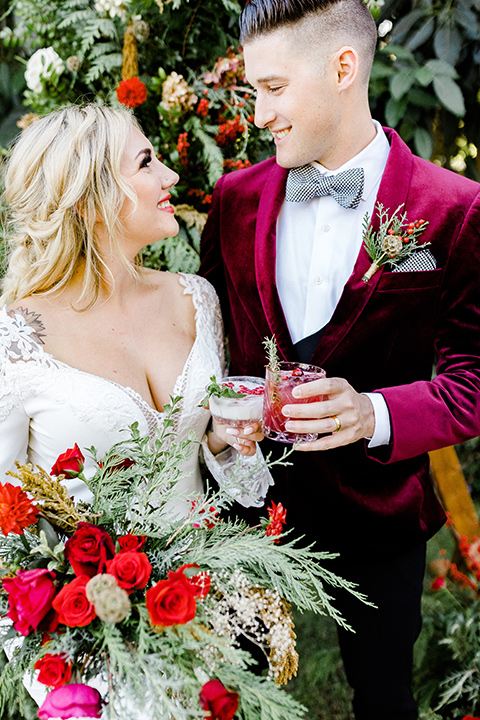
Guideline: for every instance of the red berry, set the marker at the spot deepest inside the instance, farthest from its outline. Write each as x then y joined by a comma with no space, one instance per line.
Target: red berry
411,225
410,230
297,372
406,239
390,231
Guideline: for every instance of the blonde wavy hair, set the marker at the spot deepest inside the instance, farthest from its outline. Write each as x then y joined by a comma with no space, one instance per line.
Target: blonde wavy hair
64,174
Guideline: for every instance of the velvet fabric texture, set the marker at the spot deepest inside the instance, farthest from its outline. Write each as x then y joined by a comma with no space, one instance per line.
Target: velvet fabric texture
385,335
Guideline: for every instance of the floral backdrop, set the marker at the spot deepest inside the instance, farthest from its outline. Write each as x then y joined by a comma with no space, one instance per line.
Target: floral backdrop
178,64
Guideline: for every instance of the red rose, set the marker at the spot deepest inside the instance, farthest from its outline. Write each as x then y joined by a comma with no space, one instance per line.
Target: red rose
54,670
131,570
132,92
172,601
73,607
70,701
30,596
131,543
88,550
220,702
70,463
16,510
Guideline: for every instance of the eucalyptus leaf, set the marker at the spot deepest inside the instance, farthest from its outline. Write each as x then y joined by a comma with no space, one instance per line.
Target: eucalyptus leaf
394,111
423,143
420,36
50,535
424,75
401,28
400,84
447,43
440,67
450,95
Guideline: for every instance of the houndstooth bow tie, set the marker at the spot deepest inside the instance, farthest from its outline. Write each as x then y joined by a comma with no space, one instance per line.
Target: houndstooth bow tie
304,183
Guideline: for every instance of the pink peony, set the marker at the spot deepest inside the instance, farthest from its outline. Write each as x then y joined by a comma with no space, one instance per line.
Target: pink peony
69,701
30,596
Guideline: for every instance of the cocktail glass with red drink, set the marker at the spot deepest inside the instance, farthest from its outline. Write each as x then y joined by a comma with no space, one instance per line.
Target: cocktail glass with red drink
279,385
239,412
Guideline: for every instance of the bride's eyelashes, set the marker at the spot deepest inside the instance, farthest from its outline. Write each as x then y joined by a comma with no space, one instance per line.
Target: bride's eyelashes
147,159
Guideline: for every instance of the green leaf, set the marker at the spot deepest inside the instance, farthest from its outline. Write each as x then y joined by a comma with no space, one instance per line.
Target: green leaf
423,143
420,36
424,75
400,52
394,110
450,95
440,67
50,534
404,26
447,43
400,84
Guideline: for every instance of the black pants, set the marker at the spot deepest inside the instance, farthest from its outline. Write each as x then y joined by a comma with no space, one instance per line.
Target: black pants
378,656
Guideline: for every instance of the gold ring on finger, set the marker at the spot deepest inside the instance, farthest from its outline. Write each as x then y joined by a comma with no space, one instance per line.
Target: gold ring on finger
337,423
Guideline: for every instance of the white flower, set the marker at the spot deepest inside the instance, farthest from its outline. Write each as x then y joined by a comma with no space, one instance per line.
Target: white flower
41,66
114,8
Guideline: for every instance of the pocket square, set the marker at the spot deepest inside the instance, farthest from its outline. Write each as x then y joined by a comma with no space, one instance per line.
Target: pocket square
419,260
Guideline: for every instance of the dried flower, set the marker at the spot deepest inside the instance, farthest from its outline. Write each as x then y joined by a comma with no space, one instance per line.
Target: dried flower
16,510
99,584
176,93
73,63
27,120
113,605
140,30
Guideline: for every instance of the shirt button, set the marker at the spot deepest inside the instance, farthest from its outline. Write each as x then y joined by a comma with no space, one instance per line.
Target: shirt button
318,280
325,228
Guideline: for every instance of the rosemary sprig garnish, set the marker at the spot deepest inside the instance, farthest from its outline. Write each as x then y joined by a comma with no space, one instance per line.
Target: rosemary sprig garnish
271,351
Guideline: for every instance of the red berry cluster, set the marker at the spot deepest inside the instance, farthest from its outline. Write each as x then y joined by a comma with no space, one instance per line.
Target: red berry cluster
182,146
228,131
298,372
410,230
230,164
202,107
246,391
204,197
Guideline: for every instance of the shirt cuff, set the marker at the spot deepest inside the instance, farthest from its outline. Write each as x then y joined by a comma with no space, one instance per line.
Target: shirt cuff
382,433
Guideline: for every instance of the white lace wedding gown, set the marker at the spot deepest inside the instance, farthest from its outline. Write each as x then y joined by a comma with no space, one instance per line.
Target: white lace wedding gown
46,406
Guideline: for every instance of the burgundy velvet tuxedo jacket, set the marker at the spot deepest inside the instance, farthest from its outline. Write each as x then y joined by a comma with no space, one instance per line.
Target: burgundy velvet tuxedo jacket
384,336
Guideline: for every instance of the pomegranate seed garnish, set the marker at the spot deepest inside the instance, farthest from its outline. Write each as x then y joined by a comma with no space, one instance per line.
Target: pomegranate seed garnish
297,372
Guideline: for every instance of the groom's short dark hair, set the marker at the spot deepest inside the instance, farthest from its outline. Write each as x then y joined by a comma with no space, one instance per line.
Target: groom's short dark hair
313,22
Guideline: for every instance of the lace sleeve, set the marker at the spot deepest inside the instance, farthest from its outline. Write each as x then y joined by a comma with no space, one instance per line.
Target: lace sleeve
245,479
209,316
14,434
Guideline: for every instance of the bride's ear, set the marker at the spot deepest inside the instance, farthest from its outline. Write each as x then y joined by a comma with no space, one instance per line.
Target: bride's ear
81,210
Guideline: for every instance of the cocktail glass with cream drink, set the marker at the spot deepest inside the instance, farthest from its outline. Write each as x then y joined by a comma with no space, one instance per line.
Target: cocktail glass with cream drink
279,385
242,411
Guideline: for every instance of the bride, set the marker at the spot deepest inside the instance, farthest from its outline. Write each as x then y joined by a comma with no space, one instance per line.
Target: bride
90,341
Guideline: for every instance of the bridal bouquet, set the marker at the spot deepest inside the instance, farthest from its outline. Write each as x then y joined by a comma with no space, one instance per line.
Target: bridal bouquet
123,609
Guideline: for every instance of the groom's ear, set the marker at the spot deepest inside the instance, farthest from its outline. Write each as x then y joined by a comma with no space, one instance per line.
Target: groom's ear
346,63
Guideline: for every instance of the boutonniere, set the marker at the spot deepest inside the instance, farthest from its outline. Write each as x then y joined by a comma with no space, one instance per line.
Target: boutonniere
394,241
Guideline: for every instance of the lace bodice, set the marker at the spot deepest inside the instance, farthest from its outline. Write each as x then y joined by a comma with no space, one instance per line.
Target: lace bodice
46,406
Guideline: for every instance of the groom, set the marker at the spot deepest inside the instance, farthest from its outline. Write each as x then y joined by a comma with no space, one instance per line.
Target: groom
284,250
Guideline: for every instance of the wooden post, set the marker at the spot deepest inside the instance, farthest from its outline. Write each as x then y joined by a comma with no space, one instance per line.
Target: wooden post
453,492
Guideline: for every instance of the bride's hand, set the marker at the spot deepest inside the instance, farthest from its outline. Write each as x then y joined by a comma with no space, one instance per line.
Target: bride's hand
243,440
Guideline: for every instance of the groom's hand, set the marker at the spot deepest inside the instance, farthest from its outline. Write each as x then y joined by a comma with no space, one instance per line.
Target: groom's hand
354,413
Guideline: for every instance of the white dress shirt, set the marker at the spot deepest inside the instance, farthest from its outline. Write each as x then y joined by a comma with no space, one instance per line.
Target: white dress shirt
318,243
